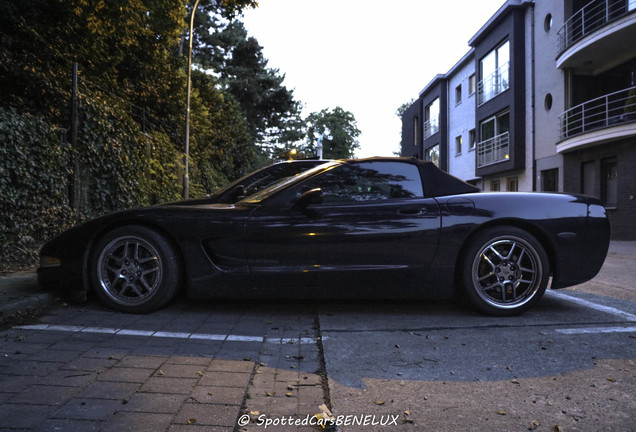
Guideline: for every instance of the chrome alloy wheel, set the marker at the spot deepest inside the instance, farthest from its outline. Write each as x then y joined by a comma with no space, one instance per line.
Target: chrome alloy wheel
507,272
129,270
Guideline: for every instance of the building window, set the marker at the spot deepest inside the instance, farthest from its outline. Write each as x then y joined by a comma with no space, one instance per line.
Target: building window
416,123
471,85
495,186
458,145
609,186
588,178
495,73
471,139
547,23
431,119
432,155
548,102
458,94
550,180
513,184
494,146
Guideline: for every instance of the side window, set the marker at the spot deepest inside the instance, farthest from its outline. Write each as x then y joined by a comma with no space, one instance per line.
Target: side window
369,181
272,175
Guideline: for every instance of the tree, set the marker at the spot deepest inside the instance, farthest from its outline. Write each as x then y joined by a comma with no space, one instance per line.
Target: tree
222,144
338,130
130,117
402,108
272,113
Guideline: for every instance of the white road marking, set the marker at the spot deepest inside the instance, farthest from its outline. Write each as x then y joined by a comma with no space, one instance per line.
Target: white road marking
163,334
599,307
235,338
593,330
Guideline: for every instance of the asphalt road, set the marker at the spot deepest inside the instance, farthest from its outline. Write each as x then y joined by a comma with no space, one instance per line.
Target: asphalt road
567,364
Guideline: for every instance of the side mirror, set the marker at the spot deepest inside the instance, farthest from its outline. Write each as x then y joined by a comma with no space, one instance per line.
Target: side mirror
312,196
238,192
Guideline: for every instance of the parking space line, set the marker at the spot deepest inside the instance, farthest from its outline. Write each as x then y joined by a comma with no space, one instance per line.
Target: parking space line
235,338
593,330
599,307
164,334
125,332
212,337
174,335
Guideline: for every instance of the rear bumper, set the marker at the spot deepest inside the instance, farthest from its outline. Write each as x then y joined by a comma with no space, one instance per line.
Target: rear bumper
582,258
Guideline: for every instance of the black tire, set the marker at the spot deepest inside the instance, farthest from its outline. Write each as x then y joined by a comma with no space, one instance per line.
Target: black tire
504,271
134,269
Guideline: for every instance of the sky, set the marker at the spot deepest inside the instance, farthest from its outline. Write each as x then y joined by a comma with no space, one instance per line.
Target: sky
366,56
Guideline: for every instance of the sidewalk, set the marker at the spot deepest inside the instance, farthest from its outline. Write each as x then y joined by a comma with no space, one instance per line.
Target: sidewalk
20,291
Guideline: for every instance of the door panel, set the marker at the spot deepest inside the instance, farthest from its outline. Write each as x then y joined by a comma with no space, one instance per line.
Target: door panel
373,228
343,244
377,244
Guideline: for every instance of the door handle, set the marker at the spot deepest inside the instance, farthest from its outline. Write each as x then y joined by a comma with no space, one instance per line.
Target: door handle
412,211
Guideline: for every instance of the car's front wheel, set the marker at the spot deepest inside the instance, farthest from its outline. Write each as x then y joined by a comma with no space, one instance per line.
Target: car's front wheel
134,269
505,271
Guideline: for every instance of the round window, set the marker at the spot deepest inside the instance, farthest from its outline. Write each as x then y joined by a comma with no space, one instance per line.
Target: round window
547,24
548,102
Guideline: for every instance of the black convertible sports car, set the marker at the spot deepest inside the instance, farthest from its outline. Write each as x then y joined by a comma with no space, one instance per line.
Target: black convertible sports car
372,228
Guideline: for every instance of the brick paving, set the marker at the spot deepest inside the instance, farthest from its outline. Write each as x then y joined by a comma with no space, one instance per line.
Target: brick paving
81,376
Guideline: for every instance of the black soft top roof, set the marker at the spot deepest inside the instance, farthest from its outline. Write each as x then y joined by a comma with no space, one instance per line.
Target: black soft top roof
436,182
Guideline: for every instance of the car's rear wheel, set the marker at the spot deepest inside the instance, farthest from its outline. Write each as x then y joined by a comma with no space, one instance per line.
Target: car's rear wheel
134,269
505,271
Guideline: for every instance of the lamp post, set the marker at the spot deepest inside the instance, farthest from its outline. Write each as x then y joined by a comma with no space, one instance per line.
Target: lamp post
186,175
319,148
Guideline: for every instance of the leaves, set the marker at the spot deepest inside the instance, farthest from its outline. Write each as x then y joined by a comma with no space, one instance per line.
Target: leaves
132,89
33,196
338,132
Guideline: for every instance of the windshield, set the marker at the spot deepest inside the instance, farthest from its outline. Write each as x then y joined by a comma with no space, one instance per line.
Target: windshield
284,183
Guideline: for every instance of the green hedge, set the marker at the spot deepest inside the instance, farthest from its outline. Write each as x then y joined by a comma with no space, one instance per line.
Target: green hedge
114,165
34,173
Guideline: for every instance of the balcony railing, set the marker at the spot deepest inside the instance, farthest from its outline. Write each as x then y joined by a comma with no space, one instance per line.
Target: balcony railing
590,18
493,150
431,127
495,83
609,110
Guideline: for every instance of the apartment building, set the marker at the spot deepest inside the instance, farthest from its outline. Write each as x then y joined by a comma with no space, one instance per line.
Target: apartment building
544,100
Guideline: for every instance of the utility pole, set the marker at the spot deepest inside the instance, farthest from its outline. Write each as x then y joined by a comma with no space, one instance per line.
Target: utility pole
186,175
76,186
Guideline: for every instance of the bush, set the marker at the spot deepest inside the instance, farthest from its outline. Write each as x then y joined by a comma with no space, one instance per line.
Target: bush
46,186
118,165
34,174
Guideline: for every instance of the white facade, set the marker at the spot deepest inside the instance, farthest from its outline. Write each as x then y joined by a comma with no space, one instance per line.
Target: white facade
461,119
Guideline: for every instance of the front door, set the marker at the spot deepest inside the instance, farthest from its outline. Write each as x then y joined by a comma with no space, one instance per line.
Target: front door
373,228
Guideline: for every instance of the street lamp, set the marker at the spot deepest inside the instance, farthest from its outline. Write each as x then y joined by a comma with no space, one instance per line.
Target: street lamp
186,175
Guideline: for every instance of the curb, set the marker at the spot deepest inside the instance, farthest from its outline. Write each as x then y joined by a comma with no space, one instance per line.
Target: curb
13,307
20,292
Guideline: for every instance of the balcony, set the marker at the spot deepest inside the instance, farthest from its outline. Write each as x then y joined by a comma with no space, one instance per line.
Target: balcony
595,36
494,84
493,150
608,117
431,127
591,18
